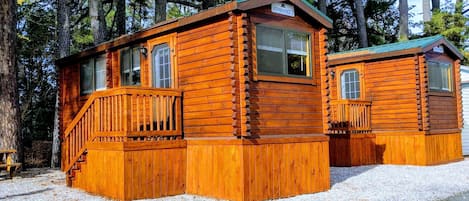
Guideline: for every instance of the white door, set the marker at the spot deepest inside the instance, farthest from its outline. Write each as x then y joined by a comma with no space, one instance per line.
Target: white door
465,130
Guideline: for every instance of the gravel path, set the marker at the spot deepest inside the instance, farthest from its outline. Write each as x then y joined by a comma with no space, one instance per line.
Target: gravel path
378,182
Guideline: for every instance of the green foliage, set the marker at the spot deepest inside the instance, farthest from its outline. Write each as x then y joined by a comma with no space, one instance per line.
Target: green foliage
451,24
382,23
36,72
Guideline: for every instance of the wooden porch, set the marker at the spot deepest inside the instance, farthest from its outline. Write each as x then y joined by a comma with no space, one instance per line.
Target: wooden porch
350,117
118,121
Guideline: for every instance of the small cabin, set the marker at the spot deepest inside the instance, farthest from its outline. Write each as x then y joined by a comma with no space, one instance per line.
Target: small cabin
226,103
397,103
465,104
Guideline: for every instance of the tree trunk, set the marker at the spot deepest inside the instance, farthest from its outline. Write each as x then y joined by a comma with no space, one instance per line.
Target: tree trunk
323,6
435,5
98,21
361,23
160,10
120,17
10,135
403,20
427,14
63,50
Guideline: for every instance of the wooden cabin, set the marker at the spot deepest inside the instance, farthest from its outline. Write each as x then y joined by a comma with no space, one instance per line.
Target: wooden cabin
226,103
397,103
465,103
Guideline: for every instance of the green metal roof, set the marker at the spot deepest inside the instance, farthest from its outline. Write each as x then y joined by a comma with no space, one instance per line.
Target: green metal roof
420,43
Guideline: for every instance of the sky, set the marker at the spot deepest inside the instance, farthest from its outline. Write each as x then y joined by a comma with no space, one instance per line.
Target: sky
417,11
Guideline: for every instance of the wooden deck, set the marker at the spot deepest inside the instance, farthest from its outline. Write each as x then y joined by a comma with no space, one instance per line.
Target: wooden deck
350,116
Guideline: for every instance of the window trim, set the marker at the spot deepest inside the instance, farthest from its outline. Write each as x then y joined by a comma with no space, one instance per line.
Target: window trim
121,59
360,68
93,75
451,83
285,77
169,39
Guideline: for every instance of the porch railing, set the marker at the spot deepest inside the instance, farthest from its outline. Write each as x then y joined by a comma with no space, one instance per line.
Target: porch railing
350,116
120,115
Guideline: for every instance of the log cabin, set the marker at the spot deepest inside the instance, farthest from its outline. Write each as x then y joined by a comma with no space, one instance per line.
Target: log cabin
397,103
226,103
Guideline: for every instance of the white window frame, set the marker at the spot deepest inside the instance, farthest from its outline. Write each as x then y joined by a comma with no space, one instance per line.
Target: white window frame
354,85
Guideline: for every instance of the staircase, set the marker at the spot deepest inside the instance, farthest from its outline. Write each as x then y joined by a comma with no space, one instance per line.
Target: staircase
120,115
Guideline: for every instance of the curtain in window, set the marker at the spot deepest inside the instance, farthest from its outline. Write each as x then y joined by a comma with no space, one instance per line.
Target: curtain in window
297,53
100,73
161,66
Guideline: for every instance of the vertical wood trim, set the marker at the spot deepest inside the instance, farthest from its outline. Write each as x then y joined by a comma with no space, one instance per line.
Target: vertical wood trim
424,93
243,73
109,70
418,92
457,83
325,92
234,74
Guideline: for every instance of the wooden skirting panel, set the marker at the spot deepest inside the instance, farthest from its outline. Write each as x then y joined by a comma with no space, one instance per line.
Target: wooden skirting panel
352,149
416,148
134,170
443,148
401,148
257,169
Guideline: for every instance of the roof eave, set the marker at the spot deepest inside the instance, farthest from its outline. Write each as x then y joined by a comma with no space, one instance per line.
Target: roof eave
371,56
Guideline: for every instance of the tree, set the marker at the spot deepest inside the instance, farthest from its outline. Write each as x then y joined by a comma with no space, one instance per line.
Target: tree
10,136
160,10
427,16
322,6
120,17
435,5
98,21
403,20
63,50
361,23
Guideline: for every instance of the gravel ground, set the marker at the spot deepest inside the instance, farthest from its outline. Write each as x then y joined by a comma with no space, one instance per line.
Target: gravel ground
448,182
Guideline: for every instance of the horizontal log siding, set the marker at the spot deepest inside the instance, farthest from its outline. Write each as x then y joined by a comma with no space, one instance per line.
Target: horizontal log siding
204,76
443,112
391,86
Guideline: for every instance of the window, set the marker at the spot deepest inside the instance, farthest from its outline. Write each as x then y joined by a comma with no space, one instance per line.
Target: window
350,84
93,75
161,66
283,52
440,76
130,67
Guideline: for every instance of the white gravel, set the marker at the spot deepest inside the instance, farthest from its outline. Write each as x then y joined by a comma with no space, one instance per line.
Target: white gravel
376,182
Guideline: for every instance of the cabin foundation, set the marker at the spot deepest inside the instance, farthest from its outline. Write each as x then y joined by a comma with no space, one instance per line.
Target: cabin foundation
257,169
133,170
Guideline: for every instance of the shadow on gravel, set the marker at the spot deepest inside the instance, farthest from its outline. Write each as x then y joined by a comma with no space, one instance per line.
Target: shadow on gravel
28,173
24,194
340,174
464,196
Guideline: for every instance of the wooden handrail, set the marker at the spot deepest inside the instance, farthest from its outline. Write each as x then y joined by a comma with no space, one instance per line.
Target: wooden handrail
351,116
121,113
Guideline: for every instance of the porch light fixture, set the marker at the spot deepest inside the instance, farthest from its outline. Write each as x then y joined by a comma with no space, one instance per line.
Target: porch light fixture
143,50
332,74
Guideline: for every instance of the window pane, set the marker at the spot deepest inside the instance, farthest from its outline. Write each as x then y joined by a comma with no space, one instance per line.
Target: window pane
161,66
270,46
100,80
440,76
350,83
135,67
297,52
86,77
125,68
